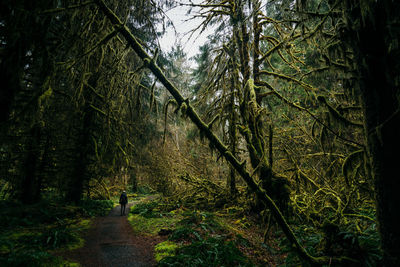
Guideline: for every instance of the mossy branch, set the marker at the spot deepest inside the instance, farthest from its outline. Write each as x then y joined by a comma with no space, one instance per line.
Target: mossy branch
288,78
296,106
347,164
335,113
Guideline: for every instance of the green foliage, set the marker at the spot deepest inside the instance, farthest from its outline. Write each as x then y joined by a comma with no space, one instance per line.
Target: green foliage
149,217
311,240
182,233
58,237
147,210
209,245
205,220
96,207
209,252
192,218
369,243
165,249
364,246
241,241
30,247
150,226
144,190
29,232
361,246
30,257
14,214
194,226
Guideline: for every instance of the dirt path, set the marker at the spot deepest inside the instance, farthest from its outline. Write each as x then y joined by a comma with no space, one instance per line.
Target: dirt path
111,242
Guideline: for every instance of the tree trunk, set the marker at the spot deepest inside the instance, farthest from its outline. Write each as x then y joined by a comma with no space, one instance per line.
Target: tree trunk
133,179
79,175
83,147
29,179
231,181
378,66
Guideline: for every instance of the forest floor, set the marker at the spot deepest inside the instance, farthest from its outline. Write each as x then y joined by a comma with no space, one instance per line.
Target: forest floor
112,242
134,239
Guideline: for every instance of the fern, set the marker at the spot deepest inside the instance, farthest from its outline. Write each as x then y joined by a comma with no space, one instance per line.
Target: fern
209,252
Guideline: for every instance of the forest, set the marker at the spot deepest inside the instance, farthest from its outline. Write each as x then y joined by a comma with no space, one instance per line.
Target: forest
275,145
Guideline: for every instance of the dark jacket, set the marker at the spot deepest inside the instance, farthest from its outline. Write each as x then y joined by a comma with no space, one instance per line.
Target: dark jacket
123,199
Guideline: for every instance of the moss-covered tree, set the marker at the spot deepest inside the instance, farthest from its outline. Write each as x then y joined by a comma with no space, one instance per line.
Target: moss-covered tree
369,29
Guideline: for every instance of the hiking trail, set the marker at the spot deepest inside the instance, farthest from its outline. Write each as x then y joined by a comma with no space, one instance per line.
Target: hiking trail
112,242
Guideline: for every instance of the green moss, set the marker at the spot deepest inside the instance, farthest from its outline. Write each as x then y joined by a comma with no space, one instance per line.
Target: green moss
150,226
70,264
165,249
85,223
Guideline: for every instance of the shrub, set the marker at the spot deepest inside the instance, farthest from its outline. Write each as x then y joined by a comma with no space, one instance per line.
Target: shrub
145,190
147,210
96,207
58,237
209,252
29,257
185,233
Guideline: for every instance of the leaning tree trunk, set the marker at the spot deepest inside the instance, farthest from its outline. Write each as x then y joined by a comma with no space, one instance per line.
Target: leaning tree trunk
375,41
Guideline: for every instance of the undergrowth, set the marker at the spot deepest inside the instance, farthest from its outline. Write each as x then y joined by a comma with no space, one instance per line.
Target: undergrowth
212,251
362,246
195,238
222,238
204,242
30,233
165,249
148,218
96,207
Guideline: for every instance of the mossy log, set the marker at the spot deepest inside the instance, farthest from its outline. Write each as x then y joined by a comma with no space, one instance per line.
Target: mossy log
214,140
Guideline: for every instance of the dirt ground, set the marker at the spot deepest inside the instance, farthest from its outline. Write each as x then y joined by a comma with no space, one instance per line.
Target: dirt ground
112,242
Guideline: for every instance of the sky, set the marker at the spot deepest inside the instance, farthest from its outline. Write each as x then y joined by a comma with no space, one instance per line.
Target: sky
178,15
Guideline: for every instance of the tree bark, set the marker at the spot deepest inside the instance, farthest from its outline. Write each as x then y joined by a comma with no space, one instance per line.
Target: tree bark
377,61
133,178
30,175
83,147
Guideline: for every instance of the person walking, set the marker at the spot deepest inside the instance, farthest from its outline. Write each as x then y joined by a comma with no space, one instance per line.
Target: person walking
123,199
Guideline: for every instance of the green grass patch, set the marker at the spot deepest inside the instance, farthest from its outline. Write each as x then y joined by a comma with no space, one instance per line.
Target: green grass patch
147,210
70,264
165,249
150,226
147,217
